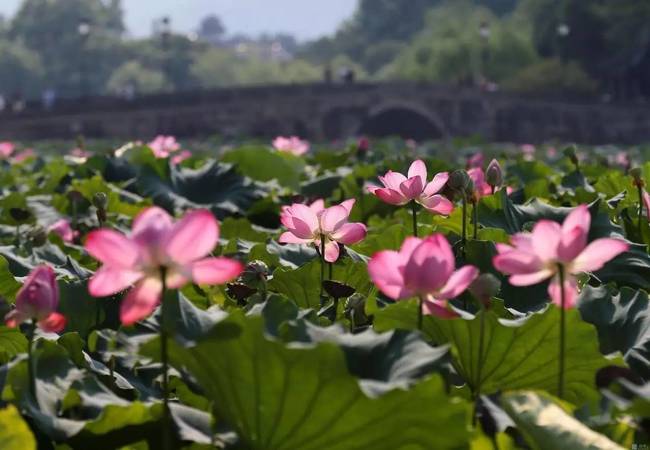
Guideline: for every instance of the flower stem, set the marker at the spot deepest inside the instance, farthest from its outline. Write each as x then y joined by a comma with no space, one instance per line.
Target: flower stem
420,315
322,266
640,191
560,381
475,218
494,189
481,343
30,363
464,212
165,362
414,211
74,214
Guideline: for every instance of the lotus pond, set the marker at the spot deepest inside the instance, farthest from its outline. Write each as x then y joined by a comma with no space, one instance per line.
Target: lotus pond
363,295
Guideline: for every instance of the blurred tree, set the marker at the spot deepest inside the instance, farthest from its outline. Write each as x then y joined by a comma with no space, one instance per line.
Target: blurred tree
610,40
451,48
218,67
373,22
78,41
379,55
552,76
172,56
211,29
21,70
132,78
626,67
399,20
499,7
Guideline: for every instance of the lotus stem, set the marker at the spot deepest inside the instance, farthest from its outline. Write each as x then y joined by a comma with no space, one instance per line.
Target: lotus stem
479,370
165,362
464,235
322,266
481,344
475,218
639,189
74,214
420,315
414,212
560,381
30,358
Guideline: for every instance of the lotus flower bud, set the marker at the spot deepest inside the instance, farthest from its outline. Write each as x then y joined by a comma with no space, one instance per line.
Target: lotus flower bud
355,311
470,191
637,174
100,200
485,287
570,152
75,196
363,145
494,174
38,299
38,236
460,182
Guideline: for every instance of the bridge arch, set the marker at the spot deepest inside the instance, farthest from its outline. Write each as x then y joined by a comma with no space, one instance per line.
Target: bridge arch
407,120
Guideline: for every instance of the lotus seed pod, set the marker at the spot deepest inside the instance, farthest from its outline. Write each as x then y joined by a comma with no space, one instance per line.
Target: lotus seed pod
460,182
485,287
100,200
528,226
255,275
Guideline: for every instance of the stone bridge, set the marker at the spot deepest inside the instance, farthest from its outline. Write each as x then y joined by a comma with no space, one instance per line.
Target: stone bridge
332,111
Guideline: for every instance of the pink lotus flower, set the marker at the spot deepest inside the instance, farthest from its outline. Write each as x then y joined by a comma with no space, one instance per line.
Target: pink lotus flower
400,190
182,156
310,224
23,155
80,153
157,243
63,229
540,255
38,300
481,188
317,206
293,145
476,160
6,149
622,159
422,268
363,145
163,146
529,152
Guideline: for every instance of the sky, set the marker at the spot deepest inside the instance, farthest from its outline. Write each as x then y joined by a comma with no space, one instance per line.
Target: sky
305,19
